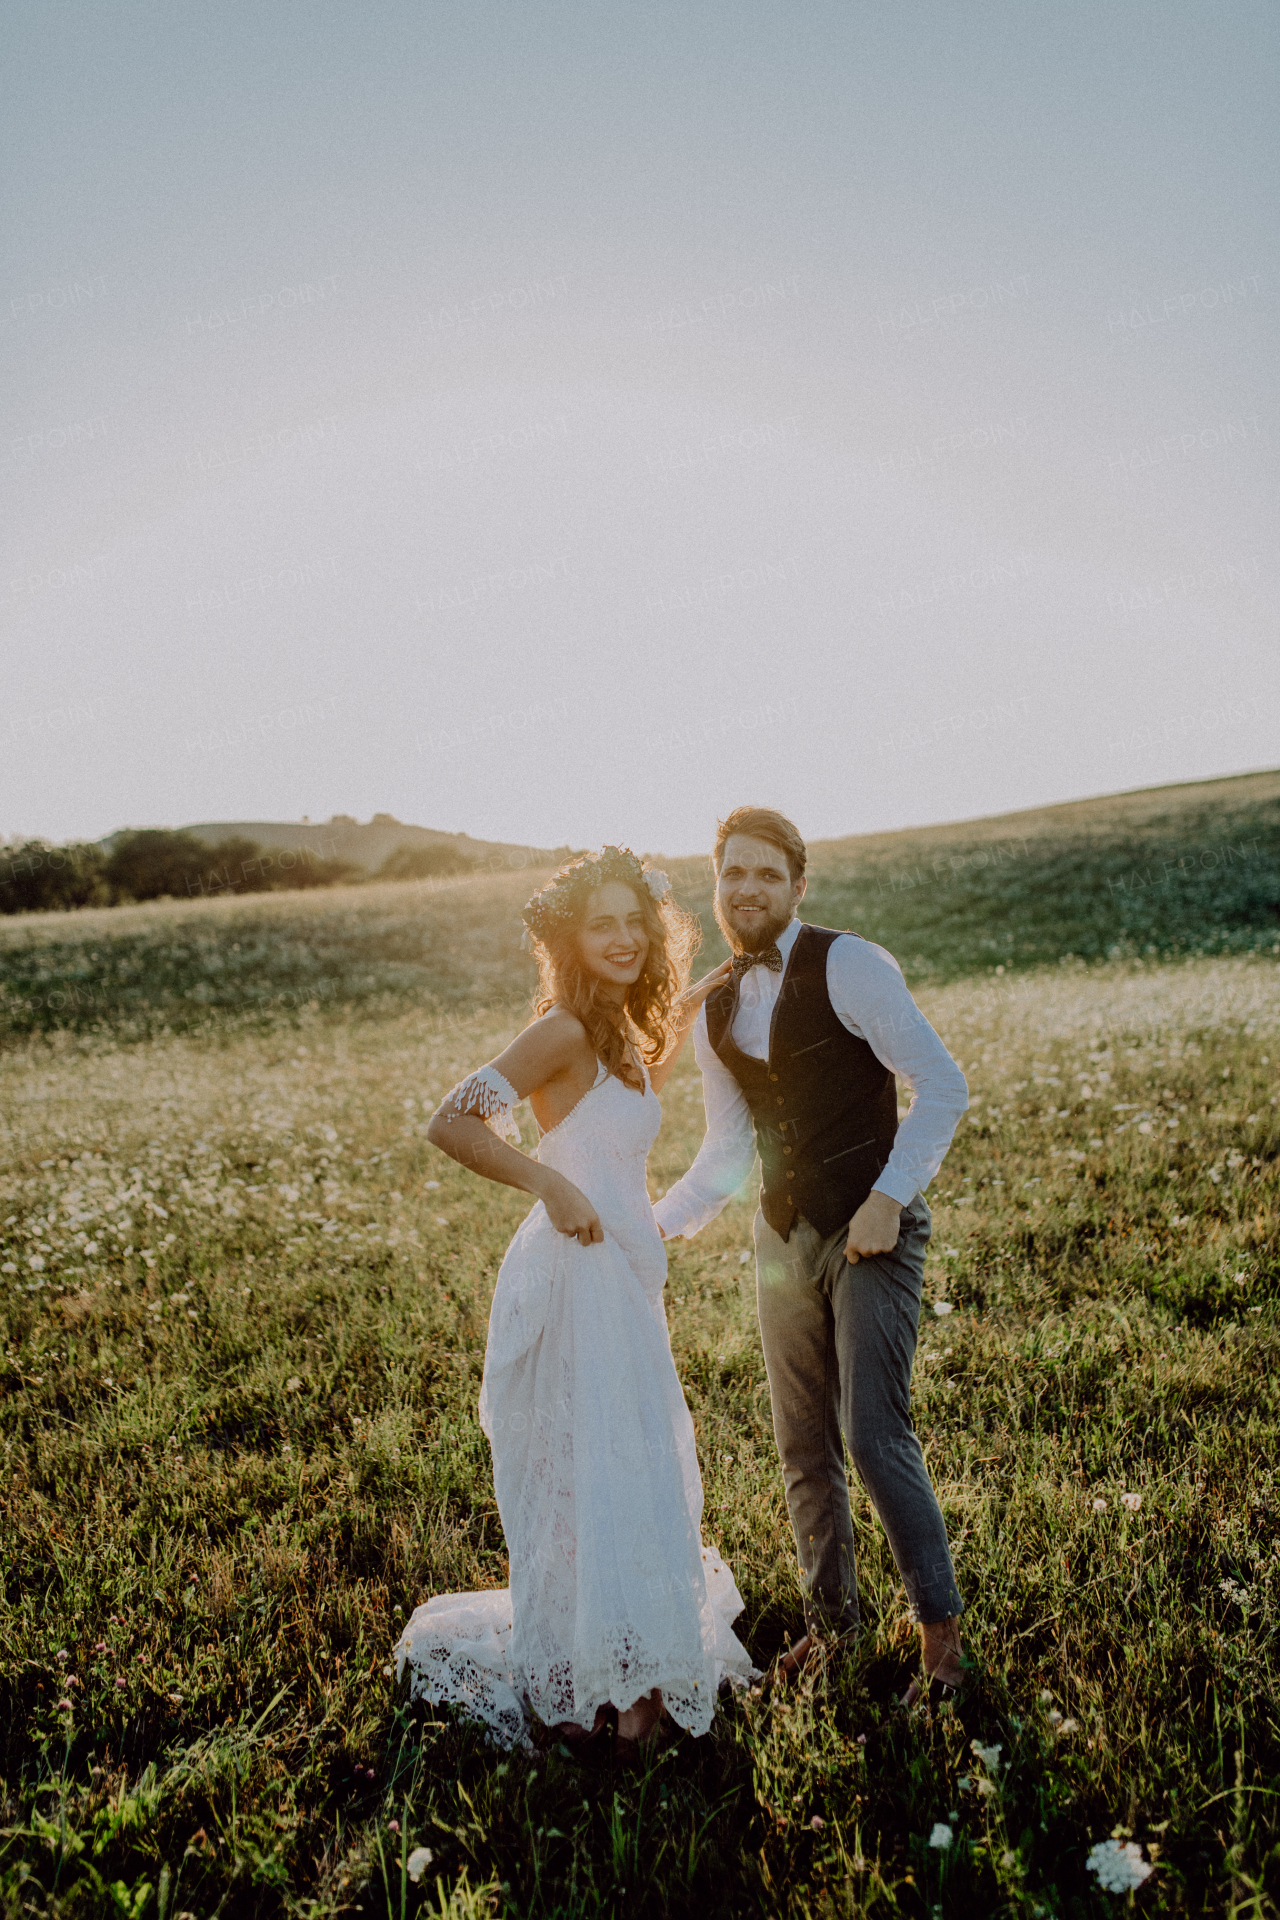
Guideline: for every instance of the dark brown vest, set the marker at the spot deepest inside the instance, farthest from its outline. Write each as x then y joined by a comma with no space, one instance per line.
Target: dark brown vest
825,1109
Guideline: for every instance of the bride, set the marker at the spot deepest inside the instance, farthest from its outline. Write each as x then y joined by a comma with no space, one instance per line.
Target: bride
614,1601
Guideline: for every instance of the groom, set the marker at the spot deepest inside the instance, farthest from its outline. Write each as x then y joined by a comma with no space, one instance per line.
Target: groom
799,1052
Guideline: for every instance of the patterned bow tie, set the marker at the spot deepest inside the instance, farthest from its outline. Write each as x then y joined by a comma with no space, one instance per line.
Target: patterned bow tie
767,957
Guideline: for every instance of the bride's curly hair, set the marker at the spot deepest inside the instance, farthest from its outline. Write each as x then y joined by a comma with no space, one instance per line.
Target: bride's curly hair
553,920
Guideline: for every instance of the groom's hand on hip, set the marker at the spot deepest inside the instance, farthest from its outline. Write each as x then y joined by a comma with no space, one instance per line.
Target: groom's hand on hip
874,1228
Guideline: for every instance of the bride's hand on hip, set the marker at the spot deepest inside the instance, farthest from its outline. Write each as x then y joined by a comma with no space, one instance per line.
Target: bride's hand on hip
570,1211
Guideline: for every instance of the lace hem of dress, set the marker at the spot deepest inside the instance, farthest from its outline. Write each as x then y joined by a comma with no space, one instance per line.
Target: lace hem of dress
490,1096
456,1651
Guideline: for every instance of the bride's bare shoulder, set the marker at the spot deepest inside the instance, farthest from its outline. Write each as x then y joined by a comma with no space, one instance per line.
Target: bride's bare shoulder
553,1043
560,1031
558,1019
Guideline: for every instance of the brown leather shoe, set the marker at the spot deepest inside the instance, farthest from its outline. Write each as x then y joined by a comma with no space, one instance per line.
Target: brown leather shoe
936,1694
789,1666
809,1655
940,1692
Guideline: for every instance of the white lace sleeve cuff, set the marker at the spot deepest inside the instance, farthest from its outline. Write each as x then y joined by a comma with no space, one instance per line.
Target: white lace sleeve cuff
488,1095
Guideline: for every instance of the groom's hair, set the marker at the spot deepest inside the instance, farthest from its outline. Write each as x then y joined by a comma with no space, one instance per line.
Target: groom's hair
762,823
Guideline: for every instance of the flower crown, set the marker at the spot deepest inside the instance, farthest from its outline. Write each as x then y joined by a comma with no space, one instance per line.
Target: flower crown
556,903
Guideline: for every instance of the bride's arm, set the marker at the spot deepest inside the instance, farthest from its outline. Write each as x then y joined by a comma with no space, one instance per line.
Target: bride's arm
686,1017
549,1047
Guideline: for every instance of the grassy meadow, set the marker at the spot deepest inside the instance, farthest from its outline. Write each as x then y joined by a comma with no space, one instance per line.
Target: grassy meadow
245,1310
1171,872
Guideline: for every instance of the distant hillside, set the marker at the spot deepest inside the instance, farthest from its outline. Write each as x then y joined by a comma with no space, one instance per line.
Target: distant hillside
1140,811
1190,868
344,839
1170,870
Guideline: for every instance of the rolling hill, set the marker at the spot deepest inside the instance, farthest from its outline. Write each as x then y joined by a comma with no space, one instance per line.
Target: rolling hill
1167,871
1187,868
345,839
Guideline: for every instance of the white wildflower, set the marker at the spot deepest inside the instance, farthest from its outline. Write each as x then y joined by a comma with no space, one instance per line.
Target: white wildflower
1131,1500
989,1756
418,1862
943,1306
1119,1865
657,882
1099,1505
941,1835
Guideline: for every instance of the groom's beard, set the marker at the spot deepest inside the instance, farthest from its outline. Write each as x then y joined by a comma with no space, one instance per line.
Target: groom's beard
754,939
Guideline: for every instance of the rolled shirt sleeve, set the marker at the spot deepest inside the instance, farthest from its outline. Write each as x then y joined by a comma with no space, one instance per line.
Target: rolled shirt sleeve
726,1155
871,998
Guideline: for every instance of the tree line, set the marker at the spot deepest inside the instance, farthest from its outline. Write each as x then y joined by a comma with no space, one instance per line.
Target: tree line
155,862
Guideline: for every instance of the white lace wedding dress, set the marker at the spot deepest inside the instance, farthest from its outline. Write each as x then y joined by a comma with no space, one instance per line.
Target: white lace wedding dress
612,1591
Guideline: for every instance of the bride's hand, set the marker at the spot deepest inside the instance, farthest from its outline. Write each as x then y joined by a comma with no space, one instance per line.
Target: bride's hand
694,995
570,1211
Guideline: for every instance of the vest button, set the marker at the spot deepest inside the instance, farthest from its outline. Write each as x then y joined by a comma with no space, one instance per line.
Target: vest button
781,1101
790,1173
786,1149
773,1076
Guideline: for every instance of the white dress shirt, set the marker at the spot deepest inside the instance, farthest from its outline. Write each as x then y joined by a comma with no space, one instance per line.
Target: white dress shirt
871,998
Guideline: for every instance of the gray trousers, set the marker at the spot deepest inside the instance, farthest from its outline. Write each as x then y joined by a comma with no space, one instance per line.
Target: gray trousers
839,1342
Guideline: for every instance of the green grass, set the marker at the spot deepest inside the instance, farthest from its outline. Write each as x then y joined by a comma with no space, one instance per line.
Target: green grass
217,965
1173,871
242,1347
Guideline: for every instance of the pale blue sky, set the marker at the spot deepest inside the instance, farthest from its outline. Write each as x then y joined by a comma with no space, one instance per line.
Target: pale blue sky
566,422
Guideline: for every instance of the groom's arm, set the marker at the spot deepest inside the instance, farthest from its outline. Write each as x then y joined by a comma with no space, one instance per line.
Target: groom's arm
871,998
725,1156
